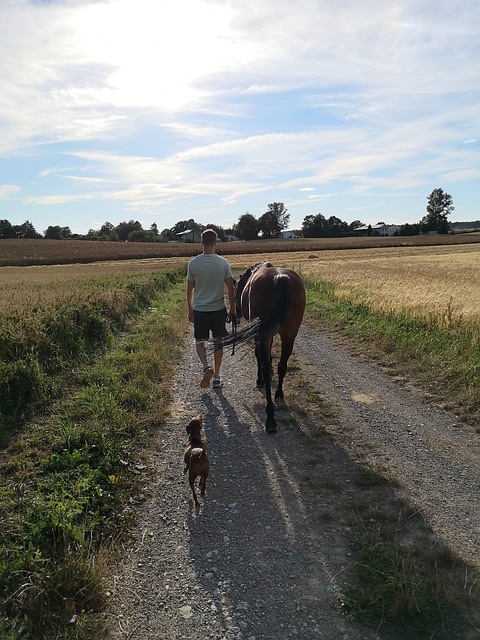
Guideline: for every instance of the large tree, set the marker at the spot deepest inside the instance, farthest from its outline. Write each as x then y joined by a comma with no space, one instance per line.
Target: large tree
26,230
439,207
6,229
246,227
315,226
124,229
273,221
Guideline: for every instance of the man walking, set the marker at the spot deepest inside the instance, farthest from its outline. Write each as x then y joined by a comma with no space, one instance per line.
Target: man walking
207,276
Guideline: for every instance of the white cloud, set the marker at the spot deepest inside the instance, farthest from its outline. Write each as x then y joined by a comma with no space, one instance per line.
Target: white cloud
8,190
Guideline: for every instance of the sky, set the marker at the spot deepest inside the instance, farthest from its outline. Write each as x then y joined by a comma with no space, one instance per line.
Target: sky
167,110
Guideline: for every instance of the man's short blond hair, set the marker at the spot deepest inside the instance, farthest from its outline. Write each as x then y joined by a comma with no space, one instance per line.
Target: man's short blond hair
209,237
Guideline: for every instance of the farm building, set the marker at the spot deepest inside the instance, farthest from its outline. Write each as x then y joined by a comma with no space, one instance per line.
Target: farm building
189,236
288,234
230,237
381,229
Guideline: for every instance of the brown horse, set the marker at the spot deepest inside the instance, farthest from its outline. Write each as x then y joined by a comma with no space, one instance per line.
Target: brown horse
272,298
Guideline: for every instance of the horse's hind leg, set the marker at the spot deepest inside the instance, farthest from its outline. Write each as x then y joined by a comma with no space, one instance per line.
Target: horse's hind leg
264,362
260,381
287,348
259,356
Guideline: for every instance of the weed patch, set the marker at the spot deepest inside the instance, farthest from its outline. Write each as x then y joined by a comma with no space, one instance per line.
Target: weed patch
67,478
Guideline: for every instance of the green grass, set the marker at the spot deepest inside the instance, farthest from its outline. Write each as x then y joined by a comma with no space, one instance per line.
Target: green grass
67,477
400,583
40,346
446,361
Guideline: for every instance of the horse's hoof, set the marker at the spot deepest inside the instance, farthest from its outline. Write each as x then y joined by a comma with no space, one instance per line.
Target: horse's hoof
271,426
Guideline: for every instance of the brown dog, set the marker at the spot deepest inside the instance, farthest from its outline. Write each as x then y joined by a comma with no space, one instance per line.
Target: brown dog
196,458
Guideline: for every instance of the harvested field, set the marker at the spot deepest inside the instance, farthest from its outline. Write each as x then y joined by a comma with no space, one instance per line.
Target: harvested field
34,252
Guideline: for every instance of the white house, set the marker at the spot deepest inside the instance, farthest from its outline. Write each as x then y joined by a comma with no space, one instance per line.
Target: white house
381,229
189,236
230,237
288,234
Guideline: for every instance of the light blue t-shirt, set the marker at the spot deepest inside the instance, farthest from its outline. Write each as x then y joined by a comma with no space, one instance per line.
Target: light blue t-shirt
208,271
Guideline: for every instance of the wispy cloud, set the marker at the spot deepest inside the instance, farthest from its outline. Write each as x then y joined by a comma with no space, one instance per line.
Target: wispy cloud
199,107
9,190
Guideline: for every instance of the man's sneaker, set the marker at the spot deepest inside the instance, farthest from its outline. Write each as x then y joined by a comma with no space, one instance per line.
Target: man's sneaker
207,376
217,383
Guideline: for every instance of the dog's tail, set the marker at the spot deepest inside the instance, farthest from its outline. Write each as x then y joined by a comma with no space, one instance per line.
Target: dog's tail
199,455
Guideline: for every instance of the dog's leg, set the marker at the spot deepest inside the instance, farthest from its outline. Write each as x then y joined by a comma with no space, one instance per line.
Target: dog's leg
203,484
192,487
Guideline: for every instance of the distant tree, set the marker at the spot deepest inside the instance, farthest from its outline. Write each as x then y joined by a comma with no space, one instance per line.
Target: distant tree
268,225
180,227
246,227
106,230
125,228
273,221
439,207
154,229
53,233
138,235
167,234
144,235
319,227
409,229
26,230
315,226
337,227
57,233
6,230
355,224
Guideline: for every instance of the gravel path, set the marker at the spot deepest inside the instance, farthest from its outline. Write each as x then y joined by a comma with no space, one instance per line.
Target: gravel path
263,556
430,452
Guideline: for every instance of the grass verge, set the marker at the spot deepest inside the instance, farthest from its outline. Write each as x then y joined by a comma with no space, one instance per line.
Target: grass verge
67,478
403,579
445,361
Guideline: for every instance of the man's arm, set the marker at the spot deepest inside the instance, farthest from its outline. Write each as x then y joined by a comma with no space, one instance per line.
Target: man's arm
190,288
231,297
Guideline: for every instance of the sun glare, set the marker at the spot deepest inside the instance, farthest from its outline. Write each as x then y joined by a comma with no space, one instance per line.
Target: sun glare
156,52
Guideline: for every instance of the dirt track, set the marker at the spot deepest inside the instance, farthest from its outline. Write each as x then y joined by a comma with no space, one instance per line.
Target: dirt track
266,555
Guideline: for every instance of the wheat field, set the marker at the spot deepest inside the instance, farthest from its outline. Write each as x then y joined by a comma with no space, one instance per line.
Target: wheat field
433,282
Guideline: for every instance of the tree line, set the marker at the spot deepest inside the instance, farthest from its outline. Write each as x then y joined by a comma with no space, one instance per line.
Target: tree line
269,225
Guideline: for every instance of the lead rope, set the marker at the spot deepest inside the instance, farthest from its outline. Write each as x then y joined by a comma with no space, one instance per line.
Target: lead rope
234,334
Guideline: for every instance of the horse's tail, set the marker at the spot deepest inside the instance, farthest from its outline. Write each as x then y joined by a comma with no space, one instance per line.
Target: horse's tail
271,320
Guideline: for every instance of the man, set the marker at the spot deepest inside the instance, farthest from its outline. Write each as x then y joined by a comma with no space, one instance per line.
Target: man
207,276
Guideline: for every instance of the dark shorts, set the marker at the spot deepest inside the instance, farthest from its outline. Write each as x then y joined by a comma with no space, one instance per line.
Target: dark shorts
206,321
